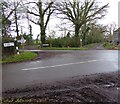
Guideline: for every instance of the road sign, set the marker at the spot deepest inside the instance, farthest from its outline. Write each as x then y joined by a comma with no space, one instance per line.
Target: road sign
22,40
45,45
11,44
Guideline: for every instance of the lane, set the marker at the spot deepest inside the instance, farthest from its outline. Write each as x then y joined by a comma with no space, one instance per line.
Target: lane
59,67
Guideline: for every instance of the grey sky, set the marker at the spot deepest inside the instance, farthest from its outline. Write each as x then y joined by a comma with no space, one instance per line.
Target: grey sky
119,14
111,17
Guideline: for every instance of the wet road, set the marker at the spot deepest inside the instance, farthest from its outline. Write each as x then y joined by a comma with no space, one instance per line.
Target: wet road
58,67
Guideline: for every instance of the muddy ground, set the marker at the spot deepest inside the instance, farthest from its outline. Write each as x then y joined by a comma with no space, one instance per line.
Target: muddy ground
94,89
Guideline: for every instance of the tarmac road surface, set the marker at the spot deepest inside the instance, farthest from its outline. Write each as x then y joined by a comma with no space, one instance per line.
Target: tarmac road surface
58,67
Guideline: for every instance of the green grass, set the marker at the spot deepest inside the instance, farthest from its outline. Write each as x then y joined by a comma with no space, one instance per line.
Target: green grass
89,46
19,100
24,56
107,45
70,48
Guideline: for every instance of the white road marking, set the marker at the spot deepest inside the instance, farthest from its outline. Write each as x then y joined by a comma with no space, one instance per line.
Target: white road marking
61,65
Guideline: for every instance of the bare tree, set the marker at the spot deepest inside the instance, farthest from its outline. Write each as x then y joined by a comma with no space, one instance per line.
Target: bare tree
10,16
16,4
80,13
42,12
5,17
110,29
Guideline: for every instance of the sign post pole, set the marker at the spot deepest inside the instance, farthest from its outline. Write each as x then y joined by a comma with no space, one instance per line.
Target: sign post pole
16,46
81,42
22,42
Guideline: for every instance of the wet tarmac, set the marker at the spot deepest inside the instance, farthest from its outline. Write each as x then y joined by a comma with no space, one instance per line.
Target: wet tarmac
58,65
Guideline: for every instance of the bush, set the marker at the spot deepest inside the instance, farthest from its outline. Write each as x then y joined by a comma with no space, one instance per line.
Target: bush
107,45
61,42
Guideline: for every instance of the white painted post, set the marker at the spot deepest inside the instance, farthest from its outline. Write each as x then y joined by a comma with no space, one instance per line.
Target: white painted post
81,42
16,45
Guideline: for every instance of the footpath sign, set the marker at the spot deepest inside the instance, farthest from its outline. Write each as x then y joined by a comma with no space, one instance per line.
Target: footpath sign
11,44
22,40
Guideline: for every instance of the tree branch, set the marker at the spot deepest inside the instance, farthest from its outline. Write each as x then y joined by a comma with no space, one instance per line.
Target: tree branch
33,13
49,6
33,21
48,18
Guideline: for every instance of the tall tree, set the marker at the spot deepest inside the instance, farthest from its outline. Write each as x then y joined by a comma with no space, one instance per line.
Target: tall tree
5,18
80,13
42,12
97,33
84,32
110,29
16,4
10,16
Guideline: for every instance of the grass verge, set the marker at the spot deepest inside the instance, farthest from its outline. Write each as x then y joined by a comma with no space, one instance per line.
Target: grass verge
90,46
24,101
24,56
63,48
86,47
108,45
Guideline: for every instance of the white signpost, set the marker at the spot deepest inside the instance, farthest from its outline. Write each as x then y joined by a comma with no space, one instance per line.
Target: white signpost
11,44
22,40
81,42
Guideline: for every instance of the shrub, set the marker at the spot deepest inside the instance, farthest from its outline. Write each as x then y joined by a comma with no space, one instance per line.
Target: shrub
107,45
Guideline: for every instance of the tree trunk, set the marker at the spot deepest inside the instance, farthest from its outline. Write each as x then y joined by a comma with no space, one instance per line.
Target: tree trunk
77,39
84,38
30,27
42,35
42,27
16,23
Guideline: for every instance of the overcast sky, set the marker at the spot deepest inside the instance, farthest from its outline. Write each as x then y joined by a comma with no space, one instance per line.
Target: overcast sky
111,17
